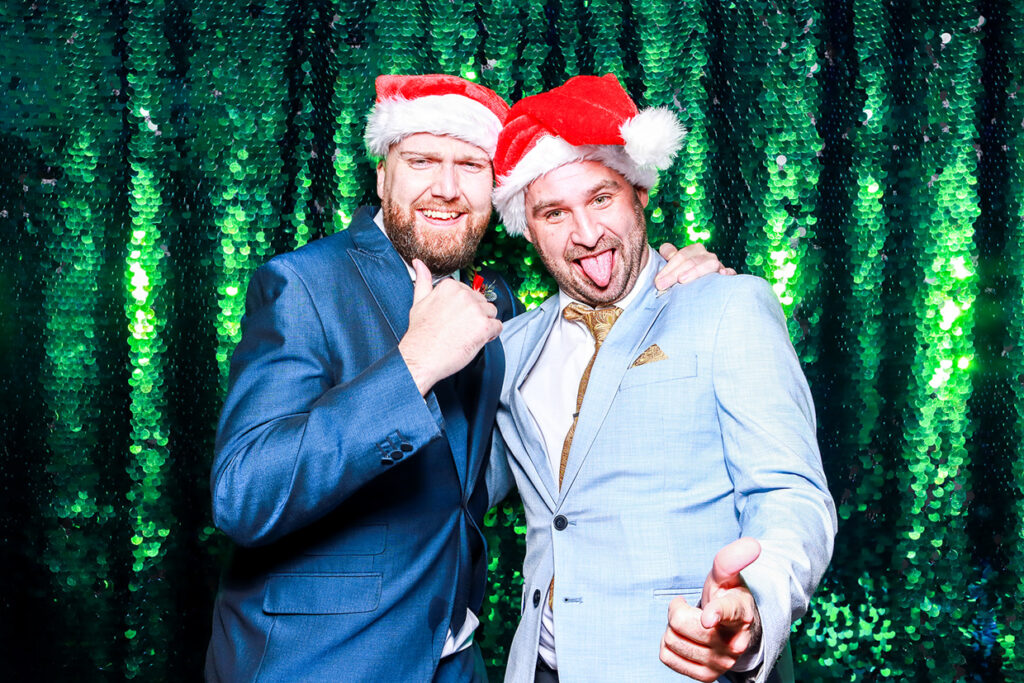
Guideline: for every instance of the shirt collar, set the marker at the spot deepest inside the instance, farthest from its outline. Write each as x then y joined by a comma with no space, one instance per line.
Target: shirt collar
379,221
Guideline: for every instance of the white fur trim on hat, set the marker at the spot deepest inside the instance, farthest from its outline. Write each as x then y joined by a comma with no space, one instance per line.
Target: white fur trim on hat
653,137
548,154
460,117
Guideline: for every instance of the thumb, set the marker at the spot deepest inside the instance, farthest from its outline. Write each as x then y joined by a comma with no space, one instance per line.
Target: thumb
728,563
424,284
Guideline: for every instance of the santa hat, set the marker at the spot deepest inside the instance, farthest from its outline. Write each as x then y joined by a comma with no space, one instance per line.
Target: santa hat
587,118
434,103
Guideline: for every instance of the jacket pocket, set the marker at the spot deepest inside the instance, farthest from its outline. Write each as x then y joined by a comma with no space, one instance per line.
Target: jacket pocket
660,371
692,595
321,593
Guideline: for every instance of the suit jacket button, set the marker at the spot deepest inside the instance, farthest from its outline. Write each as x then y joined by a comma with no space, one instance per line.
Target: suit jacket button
561,522
536,598
396,455
407,447
386,461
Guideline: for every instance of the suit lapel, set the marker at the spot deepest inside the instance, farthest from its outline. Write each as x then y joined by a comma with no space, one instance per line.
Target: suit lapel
535,457
387,279
383,271
455,427
616,355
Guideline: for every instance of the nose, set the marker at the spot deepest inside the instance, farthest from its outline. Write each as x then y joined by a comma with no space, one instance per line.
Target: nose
586,229
446,182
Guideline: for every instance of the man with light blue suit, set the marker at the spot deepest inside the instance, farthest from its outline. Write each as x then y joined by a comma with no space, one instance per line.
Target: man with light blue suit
663,446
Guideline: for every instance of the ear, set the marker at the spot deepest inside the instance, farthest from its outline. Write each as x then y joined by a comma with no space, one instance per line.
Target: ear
643,195
381,171
526,233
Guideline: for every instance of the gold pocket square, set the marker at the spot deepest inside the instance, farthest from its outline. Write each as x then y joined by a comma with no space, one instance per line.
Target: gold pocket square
651,355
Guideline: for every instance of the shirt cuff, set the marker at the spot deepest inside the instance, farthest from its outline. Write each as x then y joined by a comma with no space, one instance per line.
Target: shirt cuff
748,666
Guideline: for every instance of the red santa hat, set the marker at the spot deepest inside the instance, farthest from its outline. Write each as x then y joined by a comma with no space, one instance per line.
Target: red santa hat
434,103
587,118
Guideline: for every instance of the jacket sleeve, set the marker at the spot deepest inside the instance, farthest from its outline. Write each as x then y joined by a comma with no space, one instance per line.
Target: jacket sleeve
292,444
768,432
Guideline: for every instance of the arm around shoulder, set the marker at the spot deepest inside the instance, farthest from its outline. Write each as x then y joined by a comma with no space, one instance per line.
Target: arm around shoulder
293,443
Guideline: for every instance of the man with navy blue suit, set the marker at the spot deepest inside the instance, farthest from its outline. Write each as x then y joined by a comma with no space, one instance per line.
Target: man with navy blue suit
351,451
351,454
663,446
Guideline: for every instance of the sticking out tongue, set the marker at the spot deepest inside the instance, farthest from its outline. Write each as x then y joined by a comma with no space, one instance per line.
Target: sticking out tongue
599,267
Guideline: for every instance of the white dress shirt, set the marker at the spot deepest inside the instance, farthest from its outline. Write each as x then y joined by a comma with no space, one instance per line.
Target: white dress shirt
549,391
464,638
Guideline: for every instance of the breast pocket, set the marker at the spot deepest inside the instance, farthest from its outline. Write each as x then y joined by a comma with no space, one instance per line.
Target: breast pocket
692,595
670,369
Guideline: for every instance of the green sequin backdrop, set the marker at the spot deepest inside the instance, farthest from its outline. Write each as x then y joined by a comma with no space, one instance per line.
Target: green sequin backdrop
866,157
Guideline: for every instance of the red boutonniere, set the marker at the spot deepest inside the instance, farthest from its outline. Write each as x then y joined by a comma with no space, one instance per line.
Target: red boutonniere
479,285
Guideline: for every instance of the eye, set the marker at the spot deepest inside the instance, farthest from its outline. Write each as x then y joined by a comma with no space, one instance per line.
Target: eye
473,166
554,215
602,199
419,162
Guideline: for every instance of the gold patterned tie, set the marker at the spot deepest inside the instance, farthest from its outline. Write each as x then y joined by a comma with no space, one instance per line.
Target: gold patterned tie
599,322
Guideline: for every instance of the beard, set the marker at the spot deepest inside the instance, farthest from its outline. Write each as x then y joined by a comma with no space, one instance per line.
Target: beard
630,252
443,252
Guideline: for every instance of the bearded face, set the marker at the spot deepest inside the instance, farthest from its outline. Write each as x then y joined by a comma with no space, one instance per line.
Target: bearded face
443,250
587,224
436,197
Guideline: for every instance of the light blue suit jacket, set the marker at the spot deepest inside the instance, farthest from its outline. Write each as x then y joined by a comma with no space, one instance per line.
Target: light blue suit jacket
671,460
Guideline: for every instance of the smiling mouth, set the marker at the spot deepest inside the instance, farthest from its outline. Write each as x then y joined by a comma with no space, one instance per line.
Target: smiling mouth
597,267
439,217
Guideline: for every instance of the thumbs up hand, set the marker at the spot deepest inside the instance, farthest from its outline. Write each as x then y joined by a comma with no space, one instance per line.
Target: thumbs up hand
448,325
705,642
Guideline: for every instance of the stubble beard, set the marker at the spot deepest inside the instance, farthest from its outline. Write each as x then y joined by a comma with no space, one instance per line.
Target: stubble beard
442,252
580,287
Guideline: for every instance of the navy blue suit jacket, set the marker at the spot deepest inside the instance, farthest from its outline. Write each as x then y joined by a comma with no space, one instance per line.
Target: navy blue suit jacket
356,504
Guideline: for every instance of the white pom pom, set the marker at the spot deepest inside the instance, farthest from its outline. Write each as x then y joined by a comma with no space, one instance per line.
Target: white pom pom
653,137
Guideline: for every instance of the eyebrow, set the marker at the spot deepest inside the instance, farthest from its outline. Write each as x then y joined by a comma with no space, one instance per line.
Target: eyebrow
479,158
606,184
409,153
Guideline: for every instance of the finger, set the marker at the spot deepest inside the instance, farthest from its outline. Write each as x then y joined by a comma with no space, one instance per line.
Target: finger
736,607
681,265
726,271
728,563
696,638
710,615
682,617
667,251
732,609
698,267
424,281
666,277
688,668
692,659
494,329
